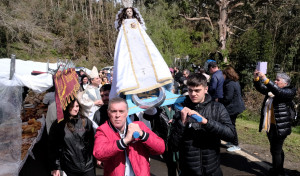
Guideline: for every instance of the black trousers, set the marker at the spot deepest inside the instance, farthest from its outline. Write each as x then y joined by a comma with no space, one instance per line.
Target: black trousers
233,119
88,173
218,172
276,143
171,165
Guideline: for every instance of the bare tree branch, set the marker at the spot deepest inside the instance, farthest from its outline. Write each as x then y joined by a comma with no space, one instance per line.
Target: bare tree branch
235,6
239,28
199,19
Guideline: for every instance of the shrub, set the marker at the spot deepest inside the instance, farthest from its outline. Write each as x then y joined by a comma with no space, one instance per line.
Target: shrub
248,115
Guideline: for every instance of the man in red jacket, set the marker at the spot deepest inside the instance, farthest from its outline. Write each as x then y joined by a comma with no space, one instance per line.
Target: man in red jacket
118,150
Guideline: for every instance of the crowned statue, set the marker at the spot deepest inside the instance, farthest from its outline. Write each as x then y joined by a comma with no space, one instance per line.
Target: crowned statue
138,65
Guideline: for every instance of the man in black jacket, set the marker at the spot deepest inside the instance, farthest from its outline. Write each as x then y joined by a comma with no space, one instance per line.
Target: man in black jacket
275,114
199,143
101,115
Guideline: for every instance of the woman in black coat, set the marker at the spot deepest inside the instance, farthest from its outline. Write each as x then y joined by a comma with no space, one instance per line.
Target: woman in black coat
71,143
275,114
232,99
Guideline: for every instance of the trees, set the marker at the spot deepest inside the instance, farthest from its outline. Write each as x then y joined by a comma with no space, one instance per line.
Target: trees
214,13
249,31
244,31
76,29
169,35
277,26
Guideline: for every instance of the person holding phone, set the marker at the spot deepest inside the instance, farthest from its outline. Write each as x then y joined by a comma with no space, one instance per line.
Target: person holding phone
275,114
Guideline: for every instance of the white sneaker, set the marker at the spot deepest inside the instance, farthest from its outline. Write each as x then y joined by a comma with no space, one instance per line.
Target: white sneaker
233,148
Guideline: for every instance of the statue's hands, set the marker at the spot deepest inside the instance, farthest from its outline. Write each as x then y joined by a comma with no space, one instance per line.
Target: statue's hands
133,25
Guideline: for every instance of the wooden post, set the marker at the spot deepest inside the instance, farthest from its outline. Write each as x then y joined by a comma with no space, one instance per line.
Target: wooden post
12,66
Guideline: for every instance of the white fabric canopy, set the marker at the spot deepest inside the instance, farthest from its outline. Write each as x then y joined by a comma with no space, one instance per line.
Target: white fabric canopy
23,77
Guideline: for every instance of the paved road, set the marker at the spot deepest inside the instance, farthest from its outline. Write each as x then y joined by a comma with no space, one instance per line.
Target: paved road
232,163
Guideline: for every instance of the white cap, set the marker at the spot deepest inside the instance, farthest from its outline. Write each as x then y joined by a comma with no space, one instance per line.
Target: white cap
94,73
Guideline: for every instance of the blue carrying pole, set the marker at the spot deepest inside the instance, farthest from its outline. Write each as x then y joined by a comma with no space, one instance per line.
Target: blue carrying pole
194,116
135,134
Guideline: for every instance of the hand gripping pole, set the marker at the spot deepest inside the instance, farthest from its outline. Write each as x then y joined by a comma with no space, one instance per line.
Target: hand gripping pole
194,116
135,134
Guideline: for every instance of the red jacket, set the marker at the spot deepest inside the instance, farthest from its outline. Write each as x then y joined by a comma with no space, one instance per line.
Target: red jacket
107,149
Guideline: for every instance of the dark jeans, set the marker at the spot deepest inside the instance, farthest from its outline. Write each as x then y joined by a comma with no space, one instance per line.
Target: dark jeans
233,119
88,173
276,143
171,164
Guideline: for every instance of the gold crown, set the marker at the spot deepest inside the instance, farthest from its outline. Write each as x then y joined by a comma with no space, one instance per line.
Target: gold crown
127,3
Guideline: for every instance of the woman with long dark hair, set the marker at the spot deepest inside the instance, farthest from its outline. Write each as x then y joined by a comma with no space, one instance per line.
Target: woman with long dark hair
232,99
71,143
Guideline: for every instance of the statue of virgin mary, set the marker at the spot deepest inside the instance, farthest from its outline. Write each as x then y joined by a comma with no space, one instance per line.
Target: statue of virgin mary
138,65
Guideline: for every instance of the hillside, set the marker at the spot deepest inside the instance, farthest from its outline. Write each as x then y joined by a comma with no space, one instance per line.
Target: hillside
83,30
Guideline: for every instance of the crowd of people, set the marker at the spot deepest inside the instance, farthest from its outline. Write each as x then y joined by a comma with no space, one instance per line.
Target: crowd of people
95,131
105,76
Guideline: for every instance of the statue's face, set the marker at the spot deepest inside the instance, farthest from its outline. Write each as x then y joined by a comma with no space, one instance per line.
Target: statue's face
129,13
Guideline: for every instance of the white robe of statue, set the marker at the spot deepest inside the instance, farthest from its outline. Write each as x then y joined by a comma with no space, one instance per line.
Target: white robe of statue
138,65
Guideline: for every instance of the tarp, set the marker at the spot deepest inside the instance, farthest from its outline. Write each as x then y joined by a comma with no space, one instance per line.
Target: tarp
10,130
23,77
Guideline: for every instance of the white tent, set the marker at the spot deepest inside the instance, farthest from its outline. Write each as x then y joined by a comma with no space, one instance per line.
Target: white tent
23,77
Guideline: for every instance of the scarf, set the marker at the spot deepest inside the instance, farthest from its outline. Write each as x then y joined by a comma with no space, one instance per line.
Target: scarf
268,112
